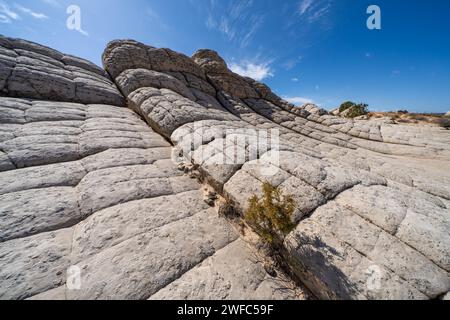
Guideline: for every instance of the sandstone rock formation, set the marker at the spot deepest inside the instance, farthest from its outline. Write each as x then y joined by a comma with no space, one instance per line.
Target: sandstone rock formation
92,185
30,70
88,182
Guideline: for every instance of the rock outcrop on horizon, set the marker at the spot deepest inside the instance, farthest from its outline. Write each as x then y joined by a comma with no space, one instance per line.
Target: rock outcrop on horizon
86,181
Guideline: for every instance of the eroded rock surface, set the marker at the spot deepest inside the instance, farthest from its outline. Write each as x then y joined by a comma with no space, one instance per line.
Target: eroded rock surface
86,182
372,197
31,70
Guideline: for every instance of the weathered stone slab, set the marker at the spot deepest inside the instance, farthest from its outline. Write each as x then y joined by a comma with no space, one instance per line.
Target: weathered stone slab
53,175
382,248
38,72
232,273
29,212
34,264
115,224
140,266
334,270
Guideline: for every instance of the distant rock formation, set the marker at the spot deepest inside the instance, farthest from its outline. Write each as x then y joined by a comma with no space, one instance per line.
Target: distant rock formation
85,181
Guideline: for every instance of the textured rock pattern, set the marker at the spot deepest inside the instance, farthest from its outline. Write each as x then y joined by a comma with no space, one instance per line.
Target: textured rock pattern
30,70
372,198
85,182
92,185
229,274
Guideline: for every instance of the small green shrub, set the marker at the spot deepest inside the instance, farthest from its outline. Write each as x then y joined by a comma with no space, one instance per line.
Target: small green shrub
357,111
353,110
271,216
346,105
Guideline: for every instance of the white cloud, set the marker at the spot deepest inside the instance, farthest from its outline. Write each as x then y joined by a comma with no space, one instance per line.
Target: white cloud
210,22
294,79
256,23
226,29
291,63
4,19
154,16
237,9
252,70
319,13
304,6
30,12
235,19
298,100
7,13
314,10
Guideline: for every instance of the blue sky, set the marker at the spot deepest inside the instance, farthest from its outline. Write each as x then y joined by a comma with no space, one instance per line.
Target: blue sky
305,50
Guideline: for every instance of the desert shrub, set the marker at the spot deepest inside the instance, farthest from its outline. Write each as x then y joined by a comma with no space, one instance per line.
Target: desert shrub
346,105
403,111
271,216
443,122
418,117
357,110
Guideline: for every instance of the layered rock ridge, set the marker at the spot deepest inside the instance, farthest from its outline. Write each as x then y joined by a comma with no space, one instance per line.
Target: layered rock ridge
372,198
88,186
92,205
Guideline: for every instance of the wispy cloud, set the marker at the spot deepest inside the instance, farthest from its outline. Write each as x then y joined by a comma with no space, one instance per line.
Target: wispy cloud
307,22
30,12
291,63
4,19
210,22
154,16
235,19
298,100
314,11
225,28
252,70
7,15
238,8
304,6
317,15
256,22
294,79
